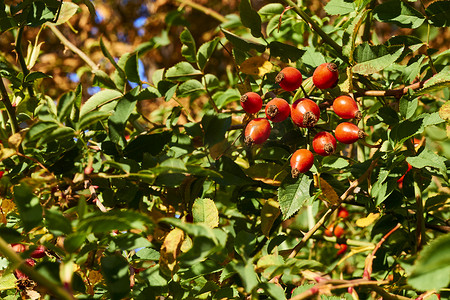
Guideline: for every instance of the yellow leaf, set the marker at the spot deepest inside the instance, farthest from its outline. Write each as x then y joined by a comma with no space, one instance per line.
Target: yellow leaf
8,206
269,173
364,222
257,66
170,250
269,213
205,211
328,192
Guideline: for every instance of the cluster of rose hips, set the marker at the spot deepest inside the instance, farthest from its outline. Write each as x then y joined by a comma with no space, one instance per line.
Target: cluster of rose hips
37,253
304,113
335,229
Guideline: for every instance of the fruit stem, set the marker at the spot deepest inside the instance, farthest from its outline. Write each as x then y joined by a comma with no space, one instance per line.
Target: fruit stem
326,38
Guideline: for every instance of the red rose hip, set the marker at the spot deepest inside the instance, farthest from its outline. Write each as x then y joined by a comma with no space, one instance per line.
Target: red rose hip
39,252
326,76
324,143
289,79
346,108
305,113
257,131
251,102
301,161
348,133
277,110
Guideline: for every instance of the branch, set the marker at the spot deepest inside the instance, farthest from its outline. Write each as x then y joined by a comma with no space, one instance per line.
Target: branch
322,220
74,48
370,257
326,38
395,92
205,10
56,290
327,285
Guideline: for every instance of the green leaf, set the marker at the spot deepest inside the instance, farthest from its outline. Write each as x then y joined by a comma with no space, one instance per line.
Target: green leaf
59,133
10,235
271,9
436,83
408,107
148,254
65,105
99,99
205,211
243,44
115,270
74,241
151,143
190,86
248,275
339,7
122,112
215,127
412,71
131,68
431,270
245,243
285,52
182,69
399,13
293,194
438,13
128,241
223,98
148,93
111,59
374,58
405,130
351,34
40,129
250,18
188,50
56,223
114,220
92,118
312,58
36,75
231,172
273,290
30,209
103,80
428,158
205,51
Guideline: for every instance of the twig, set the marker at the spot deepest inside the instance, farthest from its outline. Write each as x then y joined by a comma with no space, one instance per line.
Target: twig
371,256
205,10
388,296
23,64
326,38
327,285
74,48
9,108
57,290
322,220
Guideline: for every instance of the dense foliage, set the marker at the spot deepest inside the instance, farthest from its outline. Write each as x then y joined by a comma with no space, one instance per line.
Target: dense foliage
131,169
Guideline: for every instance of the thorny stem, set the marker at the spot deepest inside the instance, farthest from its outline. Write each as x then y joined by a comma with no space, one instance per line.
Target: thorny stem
371,256
326,38
332,208
54,289
205,10
74,48
210,99
333,284
9,108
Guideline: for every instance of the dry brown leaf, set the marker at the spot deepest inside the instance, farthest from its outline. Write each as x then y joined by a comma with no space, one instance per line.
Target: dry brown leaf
257,66
170,250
